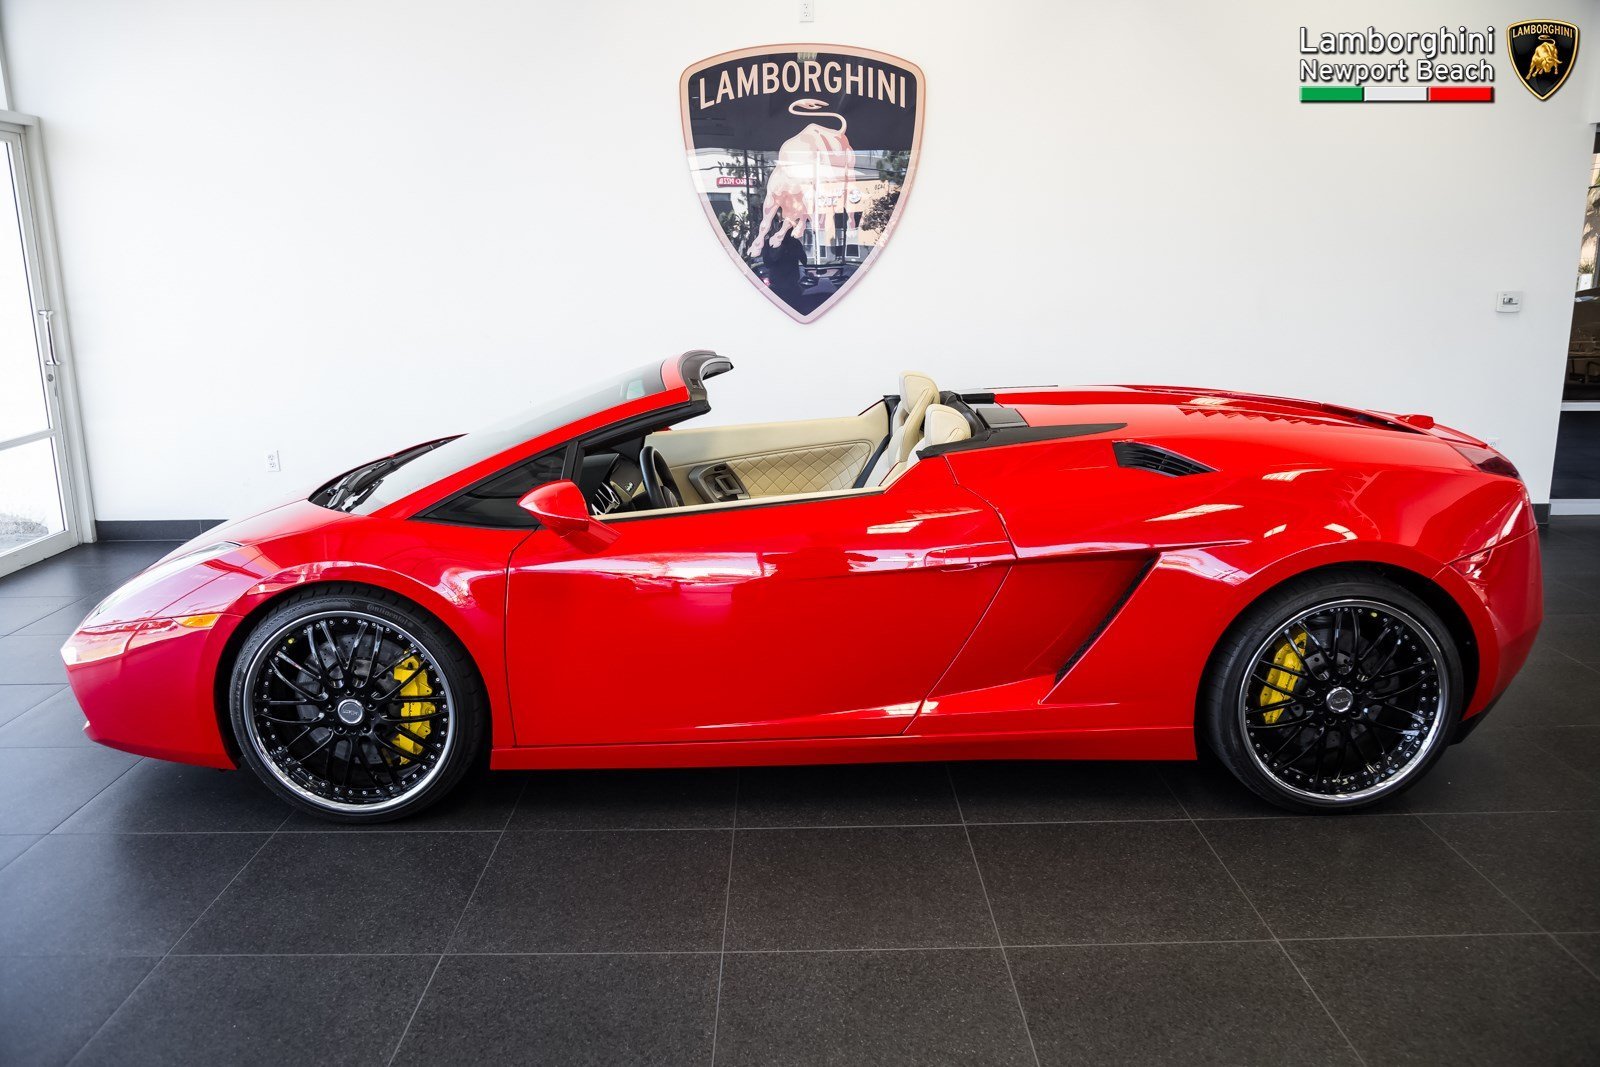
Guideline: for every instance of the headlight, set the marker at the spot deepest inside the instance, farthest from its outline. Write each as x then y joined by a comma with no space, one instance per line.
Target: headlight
159,572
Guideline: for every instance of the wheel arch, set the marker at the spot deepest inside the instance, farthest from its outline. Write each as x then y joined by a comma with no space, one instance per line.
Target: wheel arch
222,677
1420,585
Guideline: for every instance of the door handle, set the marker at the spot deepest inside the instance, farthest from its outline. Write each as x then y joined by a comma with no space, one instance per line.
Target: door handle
965,557
50,359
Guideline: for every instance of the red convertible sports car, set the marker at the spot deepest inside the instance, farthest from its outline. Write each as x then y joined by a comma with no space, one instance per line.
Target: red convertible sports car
1325,597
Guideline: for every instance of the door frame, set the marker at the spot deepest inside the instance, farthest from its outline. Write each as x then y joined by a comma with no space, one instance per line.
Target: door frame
1564,505
36,218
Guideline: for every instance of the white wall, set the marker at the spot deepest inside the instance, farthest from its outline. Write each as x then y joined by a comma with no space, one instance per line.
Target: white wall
333,228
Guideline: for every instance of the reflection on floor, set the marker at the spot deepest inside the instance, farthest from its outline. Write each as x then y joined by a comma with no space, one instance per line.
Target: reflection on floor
979,913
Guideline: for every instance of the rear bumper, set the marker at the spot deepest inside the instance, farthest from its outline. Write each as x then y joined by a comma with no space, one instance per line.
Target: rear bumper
145,687
1506,584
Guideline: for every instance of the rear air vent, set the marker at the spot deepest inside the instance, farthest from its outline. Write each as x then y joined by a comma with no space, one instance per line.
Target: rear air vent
1150,458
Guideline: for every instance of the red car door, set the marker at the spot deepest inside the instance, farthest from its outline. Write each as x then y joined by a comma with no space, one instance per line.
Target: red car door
827,617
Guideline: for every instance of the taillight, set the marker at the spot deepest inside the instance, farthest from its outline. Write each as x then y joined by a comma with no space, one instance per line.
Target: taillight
1488,461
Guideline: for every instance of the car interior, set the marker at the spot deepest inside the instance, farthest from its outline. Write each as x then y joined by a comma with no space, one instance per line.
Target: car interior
647,469
728,465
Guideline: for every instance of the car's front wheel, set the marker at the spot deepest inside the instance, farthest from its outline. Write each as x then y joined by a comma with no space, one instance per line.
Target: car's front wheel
1333,693
355,706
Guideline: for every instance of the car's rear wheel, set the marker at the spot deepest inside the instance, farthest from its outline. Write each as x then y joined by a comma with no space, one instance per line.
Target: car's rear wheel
1334,693
354,705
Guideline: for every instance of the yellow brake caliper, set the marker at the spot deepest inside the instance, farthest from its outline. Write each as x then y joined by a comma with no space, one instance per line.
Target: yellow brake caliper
1281,683
418,686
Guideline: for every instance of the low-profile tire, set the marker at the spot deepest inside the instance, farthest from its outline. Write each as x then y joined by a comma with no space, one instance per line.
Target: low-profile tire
1333,692
354,705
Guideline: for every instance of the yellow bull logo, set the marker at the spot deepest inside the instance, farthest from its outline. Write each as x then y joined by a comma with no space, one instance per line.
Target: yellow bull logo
1545,60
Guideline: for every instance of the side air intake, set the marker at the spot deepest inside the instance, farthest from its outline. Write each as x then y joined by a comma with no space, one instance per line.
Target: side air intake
1150,458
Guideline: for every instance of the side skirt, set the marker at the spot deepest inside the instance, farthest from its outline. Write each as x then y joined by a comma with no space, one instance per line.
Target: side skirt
1151,743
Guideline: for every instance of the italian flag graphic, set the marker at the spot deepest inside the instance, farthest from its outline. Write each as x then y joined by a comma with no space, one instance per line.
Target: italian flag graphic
1397,94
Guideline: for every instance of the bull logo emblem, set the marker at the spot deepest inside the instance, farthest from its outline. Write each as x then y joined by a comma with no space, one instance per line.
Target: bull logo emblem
1545,59
802,158
1542,54
812,160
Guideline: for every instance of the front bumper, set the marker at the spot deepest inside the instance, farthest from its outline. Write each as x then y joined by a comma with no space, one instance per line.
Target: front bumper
146,687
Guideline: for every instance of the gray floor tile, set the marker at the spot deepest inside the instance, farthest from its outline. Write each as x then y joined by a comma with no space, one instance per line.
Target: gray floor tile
1547,863
55,1004
872,794
18,611
601,891
55,722
161,797
1358,876
14,845
1095,882
1457,1000
1586,947
884,1008
1178,1004
115,894
1551,689
1563,598
898,887
31,661
326,893
561,1010
62,621
39,787
267,1010
59,578
1577,747
16,699
1576,635
1061,791
1501,771
633,800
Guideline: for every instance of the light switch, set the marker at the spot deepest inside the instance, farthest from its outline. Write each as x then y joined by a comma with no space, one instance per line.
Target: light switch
1508,301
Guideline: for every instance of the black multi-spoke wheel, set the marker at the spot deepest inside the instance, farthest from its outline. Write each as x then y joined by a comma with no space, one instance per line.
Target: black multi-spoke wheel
1333,695
354,706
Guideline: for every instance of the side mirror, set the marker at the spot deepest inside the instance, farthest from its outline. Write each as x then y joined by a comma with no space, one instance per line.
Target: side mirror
560,506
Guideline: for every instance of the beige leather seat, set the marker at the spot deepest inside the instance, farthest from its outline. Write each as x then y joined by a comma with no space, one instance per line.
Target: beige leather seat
941,425
917,392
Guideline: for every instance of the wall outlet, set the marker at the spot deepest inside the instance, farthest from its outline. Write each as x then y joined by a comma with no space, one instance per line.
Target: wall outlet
274,464
1508,301
808,10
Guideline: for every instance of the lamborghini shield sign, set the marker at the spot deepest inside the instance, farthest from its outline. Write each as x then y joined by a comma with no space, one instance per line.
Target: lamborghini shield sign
1542,53
802,157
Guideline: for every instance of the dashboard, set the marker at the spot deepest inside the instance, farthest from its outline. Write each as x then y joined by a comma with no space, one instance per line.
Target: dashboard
612,483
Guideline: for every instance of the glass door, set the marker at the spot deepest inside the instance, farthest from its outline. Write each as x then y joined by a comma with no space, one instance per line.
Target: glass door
37,507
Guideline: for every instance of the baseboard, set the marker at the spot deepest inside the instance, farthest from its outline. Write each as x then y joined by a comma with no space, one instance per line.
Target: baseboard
1541,514
152,529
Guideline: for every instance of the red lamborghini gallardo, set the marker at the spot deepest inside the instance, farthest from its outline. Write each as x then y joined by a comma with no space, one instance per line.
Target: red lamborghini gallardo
1326,597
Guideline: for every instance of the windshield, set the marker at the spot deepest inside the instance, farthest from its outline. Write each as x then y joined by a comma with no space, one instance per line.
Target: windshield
382,483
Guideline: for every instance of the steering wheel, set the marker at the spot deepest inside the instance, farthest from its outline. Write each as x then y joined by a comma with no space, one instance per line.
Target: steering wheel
659,485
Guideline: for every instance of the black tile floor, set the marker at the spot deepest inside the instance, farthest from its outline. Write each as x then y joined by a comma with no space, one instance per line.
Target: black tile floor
975,913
